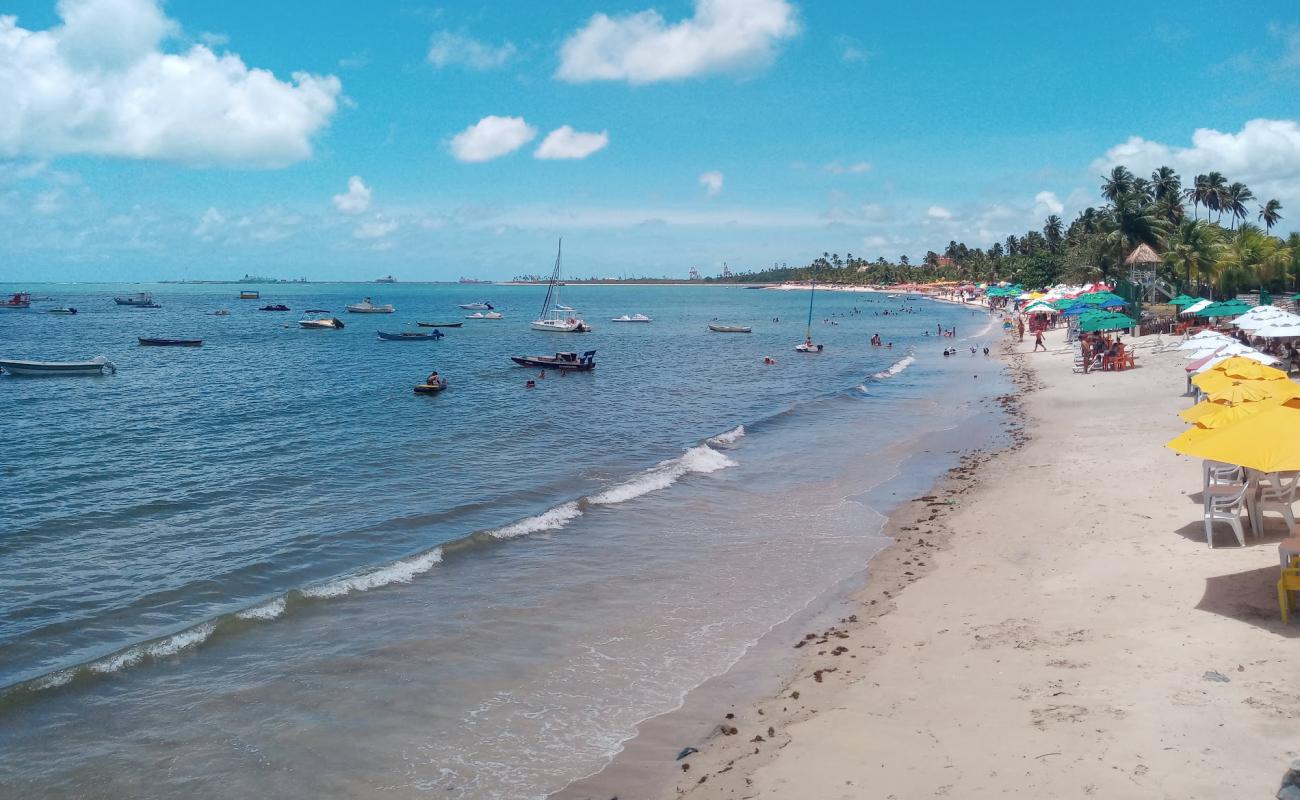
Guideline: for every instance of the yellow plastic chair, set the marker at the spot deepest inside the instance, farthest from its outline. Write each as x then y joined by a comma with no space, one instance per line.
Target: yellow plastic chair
1288,583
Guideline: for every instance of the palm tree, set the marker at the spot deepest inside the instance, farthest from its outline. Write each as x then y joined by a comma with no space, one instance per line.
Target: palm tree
1197,194
1293,248
1013,245
1129,224
1169,207
1235,198
1269,214
1166,182
1117,184
1193,247
1216,193
1252,258
1054,232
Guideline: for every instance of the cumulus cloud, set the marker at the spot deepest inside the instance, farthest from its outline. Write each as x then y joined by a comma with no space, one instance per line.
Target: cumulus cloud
721,36
375,229
712,183
491,137
209,224
1047,203
356,199
454,49
565,142
100,84
855,168
938,212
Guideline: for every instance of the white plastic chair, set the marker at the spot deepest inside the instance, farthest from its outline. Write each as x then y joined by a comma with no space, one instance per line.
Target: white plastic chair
1224,502
1276,492
1219,472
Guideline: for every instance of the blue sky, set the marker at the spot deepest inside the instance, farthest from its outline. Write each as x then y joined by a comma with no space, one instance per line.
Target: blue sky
206,140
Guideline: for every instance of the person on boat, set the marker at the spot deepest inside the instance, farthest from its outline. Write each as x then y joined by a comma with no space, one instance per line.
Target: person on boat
433,378
807,342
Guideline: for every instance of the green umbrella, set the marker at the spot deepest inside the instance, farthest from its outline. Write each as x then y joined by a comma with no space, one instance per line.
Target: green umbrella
1226,308
1107,322
1182,301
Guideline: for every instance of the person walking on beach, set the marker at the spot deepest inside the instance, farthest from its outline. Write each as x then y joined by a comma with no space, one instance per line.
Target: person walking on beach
1020,327
1038,342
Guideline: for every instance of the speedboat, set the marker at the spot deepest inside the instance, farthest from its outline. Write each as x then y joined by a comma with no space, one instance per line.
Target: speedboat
633,318
489,315
569,362
170,342
440,324
731,328
274,307
69,311
138,300
431,388
410,336
96,366
481,305
322,323
19,300
367,307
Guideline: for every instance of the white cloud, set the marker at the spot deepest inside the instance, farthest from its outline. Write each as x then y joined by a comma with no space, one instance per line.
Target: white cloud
1047,203
356,199
565,142
491,137
855,168
209,224
851,52
875,242
712,183
48,202
375,229
100,85
454,49
938,212
721,36
214,40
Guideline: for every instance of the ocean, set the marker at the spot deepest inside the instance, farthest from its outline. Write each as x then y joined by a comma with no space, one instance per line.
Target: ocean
265,567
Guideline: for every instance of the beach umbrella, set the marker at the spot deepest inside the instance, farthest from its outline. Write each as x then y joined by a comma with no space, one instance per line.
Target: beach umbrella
1249,369
1195,308
1116,303
1240,392
1213,381
1108,322
1268,441
1224,415
1227,308
1075,311
1182,301
1259,316
1279,330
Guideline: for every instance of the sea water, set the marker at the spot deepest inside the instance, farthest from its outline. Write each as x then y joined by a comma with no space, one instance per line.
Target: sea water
265,567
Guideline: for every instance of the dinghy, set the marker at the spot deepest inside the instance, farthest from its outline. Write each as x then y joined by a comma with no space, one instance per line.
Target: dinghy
169,342
440,324
96,366
67,312
431,388
731,329
409,336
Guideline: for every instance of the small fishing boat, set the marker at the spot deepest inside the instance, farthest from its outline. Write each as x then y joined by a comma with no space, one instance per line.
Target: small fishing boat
19,300
569,362
633,318
274,307
169,342
556,317
367,307
481,305
67,312
137,300
731,328
322,323
440,324
96,366
489,315
250,294
221,312
410,336
431,388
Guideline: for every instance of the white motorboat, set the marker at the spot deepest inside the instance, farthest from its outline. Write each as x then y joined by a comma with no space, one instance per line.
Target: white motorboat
633,318
321,323
481,305
555,316
367,307
489,315
96,366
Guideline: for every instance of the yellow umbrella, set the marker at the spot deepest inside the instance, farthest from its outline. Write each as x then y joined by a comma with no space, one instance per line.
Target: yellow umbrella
1240,392
1199,410
1229,415
1248,368
1212,381
1268,441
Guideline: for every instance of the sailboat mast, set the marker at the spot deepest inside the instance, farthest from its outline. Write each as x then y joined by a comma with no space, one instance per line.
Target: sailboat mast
550,287
811,293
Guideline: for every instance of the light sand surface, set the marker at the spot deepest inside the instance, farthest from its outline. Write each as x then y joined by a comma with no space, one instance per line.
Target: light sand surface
1050,623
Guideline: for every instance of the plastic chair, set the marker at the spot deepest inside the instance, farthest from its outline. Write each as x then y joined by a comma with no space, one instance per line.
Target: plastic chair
1287,583
1275,492
1224,502
1288,549
1220,472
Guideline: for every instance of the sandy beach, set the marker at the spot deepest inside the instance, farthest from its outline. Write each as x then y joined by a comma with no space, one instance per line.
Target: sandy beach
1050,620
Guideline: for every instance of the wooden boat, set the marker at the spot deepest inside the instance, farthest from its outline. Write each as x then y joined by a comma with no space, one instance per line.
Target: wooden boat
409,336
367,307
169,342
67,312
731,328
96,366
19,300
274,307
431,388
569,362
328,323
440,324
249,294
137,300
633,318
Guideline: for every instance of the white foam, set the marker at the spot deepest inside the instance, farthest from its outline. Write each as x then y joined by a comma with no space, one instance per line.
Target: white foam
397,572
729,437
895,368
160,649
551,520
264,611
700,459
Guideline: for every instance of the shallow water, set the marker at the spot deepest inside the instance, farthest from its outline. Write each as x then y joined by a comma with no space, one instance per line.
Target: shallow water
264,566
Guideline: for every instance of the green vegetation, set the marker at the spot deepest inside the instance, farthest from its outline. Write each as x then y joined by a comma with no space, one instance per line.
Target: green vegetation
1198,255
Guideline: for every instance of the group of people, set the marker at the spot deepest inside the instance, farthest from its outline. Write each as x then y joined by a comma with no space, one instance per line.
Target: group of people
953,351
875,341
1097,347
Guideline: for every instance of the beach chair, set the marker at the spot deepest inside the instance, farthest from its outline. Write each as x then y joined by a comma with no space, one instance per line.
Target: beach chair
1218,472
1275,492
1287,583
1287,550
1224,502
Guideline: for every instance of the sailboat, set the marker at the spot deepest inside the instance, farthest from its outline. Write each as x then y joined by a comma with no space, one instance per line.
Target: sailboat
557,317
807,345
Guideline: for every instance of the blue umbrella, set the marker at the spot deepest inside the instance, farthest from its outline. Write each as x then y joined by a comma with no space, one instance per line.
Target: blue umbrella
1114,304
1074,311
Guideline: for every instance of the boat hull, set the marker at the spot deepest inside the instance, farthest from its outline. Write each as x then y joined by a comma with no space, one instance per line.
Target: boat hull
430,388
804,348
570,364
476,306
321,324
409,337
440,324
169,342
55,368
730,329
371,310
550,326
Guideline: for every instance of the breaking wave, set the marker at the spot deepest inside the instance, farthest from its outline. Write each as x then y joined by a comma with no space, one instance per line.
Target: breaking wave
699,459
896,367
729,437
551,520
397,572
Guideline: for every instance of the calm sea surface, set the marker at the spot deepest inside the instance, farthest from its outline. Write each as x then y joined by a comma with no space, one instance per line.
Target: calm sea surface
264,567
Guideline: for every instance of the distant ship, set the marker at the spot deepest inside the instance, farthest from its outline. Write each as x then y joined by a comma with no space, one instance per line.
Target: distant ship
472,280
389,279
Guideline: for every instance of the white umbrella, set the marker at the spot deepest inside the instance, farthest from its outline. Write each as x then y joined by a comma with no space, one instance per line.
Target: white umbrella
1202,342
1194,307
1251,321
1284,329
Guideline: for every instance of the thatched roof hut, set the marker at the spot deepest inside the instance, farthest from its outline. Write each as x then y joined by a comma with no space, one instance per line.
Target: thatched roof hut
1142,254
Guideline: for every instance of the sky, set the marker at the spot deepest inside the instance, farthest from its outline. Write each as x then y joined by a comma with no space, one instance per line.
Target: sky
333,140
